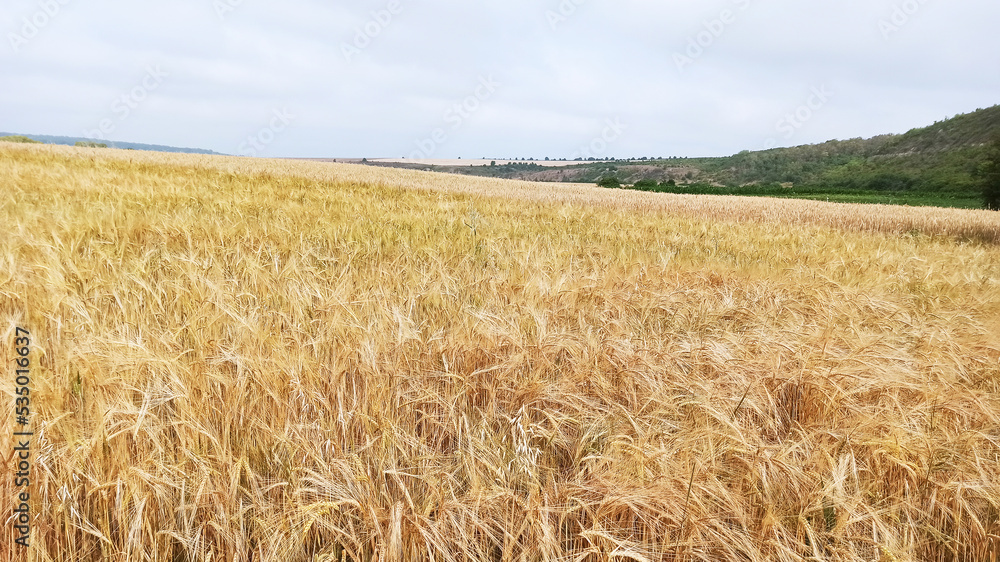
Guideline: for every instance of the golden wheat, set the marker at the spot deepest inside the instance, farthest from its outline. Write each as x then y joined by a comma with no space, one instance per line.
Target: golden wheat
240,359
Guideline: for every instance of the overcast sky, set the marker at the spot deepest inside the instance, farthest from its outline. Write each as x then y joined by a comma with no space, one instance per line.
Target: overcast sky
493,78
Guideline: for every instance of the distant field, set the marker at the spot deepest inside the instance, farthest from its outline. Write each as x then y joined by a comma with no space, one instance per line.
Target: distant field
954,200
958,200
590,172
460,162
275,360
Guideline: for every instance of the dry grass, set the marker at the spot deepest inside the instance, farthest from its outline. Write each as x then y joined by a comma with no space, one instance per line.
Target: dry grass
254,360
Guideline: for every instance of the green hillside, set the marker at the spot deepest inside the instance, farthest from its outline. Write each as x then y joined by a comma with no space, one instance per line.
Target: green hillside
934,165
940,158
19,139
936,162
86,142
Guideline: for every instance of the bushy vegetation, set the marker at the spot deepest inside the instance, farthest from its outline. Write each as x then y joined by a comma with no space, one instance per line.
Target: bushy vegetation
609,182
91,144
296,361
989,175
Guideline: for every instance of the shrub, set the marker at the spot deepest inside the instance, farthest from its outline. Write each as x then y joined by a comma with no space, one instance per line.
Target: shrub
91,144
890,181
610,181
989,175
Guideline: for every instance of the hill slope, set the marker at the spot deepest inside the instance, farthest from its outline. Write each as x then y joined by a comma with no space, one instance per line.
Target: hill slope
71,141
934,164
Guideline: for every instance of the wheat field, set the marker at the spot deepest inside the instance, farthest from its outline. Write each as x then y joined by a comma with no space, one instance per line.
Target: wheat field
258,360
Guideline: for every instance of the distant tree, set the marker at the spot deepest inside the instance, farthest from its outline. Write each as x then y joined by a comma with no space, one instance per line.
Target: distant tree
91,144
669,183
493,163
890,181
989,175
645,185
610,182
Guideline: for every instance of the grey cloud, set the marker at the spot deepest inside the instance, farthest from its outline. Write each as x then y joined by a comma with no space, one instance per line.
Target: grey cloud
565,66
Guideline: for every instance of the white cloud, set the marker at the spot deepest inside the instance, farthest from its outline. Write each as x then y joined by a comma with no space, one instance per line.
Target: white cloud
602,60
